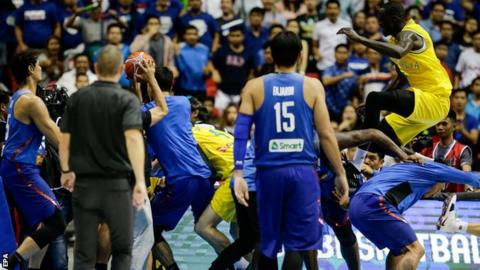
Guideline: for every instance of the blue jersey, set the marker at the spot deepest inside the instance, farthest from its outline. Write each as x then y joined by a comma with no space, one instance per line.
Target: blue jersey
406,183
172,141
21,141
284,123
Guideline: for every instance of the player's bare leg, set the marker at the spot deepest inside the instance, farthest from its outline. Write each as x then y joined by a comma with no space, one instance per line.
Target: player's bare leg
408,260
206,227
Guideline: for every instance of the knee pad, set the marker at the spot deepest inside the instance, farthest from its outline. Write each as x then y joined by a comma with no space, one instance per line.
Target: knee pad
53,226
157,233
345,235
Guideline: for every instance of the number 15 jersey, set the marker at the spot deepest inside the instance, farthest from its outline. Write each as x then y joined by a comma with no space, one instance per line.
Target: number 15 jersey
284,123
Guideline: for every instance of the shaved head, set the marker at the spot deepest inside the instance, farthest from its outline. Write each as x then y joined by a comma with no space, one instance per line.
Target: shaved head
109,61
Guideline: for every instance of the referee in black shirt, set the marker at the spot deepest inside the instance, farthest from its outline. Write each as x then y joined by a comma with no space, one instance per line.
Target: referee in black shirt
101,144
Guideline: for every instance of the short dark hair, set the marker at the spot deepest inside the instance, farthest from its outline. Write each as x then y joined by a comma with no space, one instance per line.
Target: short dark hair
190,27
447,22
474,80
329,2
459,90
4,97
341,45
452,116
275,25
441,42
164,77
80,55
267,44
237,28
112,25
438,3
286,47
20,64
394,10
257,10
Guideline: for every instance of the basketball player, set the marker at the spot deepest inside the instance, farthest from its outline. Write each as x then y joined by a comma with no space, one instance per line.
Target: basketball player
187,174
335,216
426,101
28,121
377,207
449,222
285,108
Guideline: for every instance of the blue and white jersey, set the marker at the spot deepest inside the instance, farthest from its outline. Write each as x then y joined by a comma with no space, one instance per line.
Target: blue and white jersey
284,123
22,141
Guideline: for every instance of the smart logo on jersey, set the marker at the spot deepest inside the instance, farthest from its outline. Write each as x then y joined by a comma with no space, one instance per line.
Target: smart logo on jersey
285,145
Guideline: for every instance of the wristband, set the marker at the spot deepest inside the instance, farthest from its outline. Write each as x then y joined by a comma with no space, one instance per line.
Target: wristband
67,171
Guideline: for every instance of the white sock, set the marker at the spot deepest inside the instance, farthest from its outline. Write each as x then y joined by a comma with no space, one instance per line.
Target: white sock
242,264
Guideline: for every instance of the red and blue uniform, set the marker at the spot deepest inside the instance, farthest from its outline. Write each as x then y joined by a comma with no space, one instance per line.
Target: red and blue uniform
287,184
377,207
19,171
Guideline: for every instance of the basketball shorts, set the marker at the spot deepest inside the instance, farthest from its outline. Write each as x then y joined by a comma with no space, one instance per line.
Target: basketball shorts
288,200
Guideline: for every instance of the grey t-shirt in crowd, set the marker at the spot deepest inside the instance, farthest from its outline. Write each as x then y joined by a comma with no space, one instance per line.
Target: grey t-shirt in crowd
96,118
465,158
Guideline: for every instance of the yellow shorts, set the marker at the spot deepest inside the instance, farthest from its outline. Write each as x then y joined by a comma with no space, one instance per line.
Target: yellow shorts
429,110
222,202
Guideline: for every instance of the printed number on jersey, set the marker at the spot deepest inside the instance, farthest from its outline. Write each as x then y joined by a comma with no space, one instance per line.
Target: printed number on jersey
285,120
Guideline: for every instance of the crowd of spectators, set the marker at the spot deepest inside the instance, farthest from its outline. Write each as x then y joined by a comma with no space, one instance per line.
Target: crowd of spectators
214,46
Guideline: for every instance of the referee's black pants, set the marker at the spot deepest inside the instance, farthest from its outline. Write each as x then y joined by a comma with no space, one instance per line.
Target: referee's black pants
96,200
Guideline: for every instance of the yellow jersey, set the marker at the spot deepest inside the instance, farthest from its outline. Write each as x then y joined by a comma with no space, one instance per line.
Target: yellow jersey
217,146
422,67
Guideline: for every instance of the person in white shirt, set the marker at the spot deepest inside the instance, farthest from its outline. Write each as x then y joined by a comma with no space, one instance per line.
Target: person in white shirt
468,65
242,7
82,66
325,36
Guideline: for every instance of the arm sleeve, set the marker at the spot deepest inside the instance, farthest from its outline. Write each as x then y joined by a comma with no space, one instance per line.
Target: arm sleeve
132,116
243,126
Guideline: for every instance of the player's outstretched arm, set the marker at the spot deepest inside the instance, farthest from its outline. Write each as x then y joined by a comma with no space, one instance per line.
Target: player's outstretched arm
358,137
38,112
243,126
326,135
407,40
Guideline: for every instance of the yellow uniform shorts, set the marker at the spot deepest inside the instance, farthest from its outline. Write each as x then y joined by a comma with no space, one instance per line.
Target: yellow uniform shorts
222,202
429,110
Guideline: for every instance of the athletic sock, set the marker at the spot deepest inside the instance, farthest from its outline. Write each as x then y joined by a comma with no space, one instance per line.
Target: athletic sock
14,260
101,266
242,264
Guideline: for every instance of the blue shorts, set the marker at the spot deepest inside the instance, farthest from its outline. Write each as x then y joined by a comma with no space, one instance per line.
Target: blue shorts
170,204
381,223
31,194
8,243
333,214
288,201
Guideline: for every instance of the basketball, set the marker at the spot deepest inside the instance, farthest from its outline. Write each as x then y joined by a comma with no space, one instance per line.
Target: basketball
132,62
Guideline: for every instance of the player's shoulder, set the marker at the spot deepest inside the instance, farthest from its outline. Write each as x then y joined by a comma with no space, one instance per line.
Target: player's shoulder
311,83
254,85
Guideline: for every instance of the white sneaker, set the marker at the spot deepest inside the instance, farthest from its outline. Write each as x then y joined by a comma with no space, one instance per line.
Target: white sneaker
448,222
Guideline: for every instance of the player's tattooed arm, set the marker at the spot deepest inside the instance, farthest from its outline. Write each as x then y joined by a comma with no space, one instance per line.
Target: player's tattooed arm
359,137
407,41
